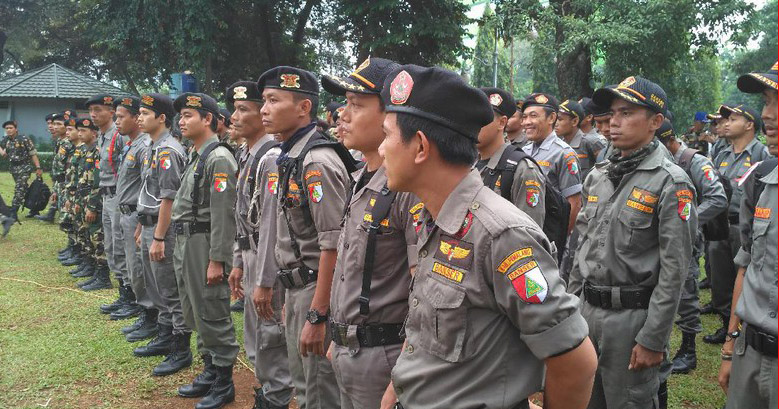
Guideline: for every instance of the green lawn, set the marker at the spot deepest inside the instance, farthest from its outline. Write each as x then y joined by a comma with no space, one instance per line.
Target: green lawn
57,351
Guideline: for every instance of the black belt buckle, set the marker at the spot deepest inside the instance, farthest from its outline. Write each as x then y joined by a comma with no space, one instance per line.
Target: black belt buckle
286,279
605,299
244,243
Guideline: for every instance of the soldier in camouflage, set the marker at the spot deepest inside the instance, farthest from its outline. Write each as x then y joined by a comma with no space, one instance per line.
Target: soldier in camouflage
62,148
21,153
61,194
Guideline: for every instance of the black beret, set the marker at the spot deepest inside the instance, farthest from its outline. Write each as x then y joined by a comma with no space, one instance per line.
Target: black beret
71,121
159,103
367,78
225,115
131,103
100,99
636,90
338,111
63,116
86,123
750,114
572,108
50,116
542,100
501,100
439,96
243,91
289,79
665,131
592,108
756,82
332,106
11,122
519,103
196,100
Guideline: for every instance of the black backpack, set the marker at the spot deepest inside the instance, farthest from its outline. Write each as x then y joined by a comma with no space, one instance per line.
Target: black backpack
556,207
717,228
37,196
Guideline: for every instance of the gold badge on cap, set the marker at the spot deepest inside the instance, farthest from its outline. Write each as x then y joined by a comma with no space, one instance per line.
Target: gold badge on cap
127,101
148,100
627,82
541,99
194,101
239,93
364,65
496,99
775,67
108,101
400,89
290,81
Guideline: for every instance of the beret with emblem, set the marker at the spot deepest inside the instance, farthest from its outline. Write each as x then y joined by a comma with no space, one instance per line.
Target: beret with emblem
289,79
636,90
100,99
439,96
572,108
196,100
750,114
756,82
243,91
542,100
86,123
666,131
501,100
159,103
225,115
131,103
50,116
367,78
62,116
590,107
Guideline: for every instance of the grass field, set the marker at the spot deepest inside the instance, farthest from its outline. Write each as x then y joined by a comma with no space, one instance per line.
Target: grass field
57,351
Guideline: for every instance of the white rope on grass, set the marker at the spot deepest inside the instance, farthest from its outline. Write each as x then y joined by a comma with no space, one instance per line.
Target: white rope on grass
102,297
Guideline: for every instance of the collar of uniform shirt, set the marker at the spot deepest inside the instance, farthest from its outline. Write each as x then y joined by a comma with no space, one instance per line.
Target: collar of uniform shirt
461,199
289,143
547,141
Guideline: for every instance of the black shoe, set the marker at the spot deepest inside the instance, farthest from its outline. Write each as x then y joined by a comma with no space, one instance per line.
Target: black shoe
718,337
79,268
685,359
65,253
120,302
180,356
222,390
704,284
88,271
261,402
49,216
31,215
87,282
7,223
237,306
159,346
76,259
707,309
128,311
102,280
147,328
203,381
136,324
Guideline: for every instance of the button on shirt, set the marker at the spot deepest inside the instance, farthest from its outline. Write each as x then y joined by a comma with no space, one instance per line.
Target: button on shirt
559,163
162,165
733,166
638,235
487,306
128,186
395,254
758,302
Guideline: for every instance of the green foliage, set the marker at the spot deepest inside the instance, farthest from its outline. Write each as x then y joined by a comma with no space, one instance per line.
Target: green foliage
483,55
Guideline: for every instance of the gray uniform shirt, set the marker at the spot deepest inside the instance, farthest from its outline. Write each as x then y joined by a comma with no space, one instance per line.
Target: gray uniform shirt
217,198
711,193
163,164
559,163
733,166
395,253
638,235
325,183
587,146
758,302
110,155
263,214
528,189
128,187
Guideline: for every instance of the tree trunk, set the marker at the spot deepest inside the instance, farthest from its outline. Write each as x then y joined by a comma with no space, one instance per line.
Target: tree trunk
129,80
573,69
300,27
265,34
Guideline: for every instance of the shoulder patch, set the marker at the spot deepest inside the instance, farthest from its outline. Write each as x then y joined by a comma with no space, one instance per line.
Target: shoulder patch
763,212
513,258
529,282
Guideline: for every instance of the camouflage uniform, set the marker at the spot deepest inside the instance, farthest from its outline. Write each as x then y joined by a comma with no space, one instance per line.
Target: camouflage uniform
72,222
64,150
89,198
20,149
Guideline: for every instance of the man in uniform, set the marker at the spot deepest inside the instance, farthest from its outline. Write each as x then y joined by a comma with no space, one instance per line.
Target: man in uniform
696,136
22,156
602,118
61,147
528,184
748,372
587,124
712,202
376,251
312,190
65,150
49,119
717,128
741,125
163,163
488,312
263,335
515,132
636,236
587,146
205,233
72,220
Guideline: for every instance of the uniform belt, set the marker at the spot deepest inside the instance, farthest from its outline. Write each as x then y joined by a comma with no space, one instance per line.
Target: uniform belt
617,298
244,242
369,335
297,277
525,404
190,228
147,220
733,218
761,341
127,209
108,190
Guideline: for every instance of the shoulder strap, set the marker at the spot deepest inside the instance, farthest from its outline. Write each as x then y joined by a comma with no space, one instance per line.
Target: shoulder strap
256,163
685,161
198,175
765,167
379,212
506,168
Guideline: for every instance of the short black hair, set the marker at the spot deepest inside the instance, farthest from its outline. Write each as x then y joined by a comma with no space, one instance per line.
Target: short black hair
299,96
168,119
455,149
214,124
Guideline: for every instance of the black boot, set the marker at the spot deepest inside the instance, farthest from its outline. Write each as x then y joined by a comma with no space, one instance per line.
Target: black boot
718,337
7,223
180,356
88,271
261,402
75,260
49,216
146,329
31,214
704,284
80,268
129,309
222,391
662,396
66,252
146,314
203,381
237,306
685,359
120,302
160,345
102,279
707,309
91,278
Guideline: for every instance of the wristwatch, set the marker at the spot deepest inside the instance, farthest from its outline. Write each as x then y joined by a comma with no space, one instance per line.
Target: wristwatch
314,317
733,335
